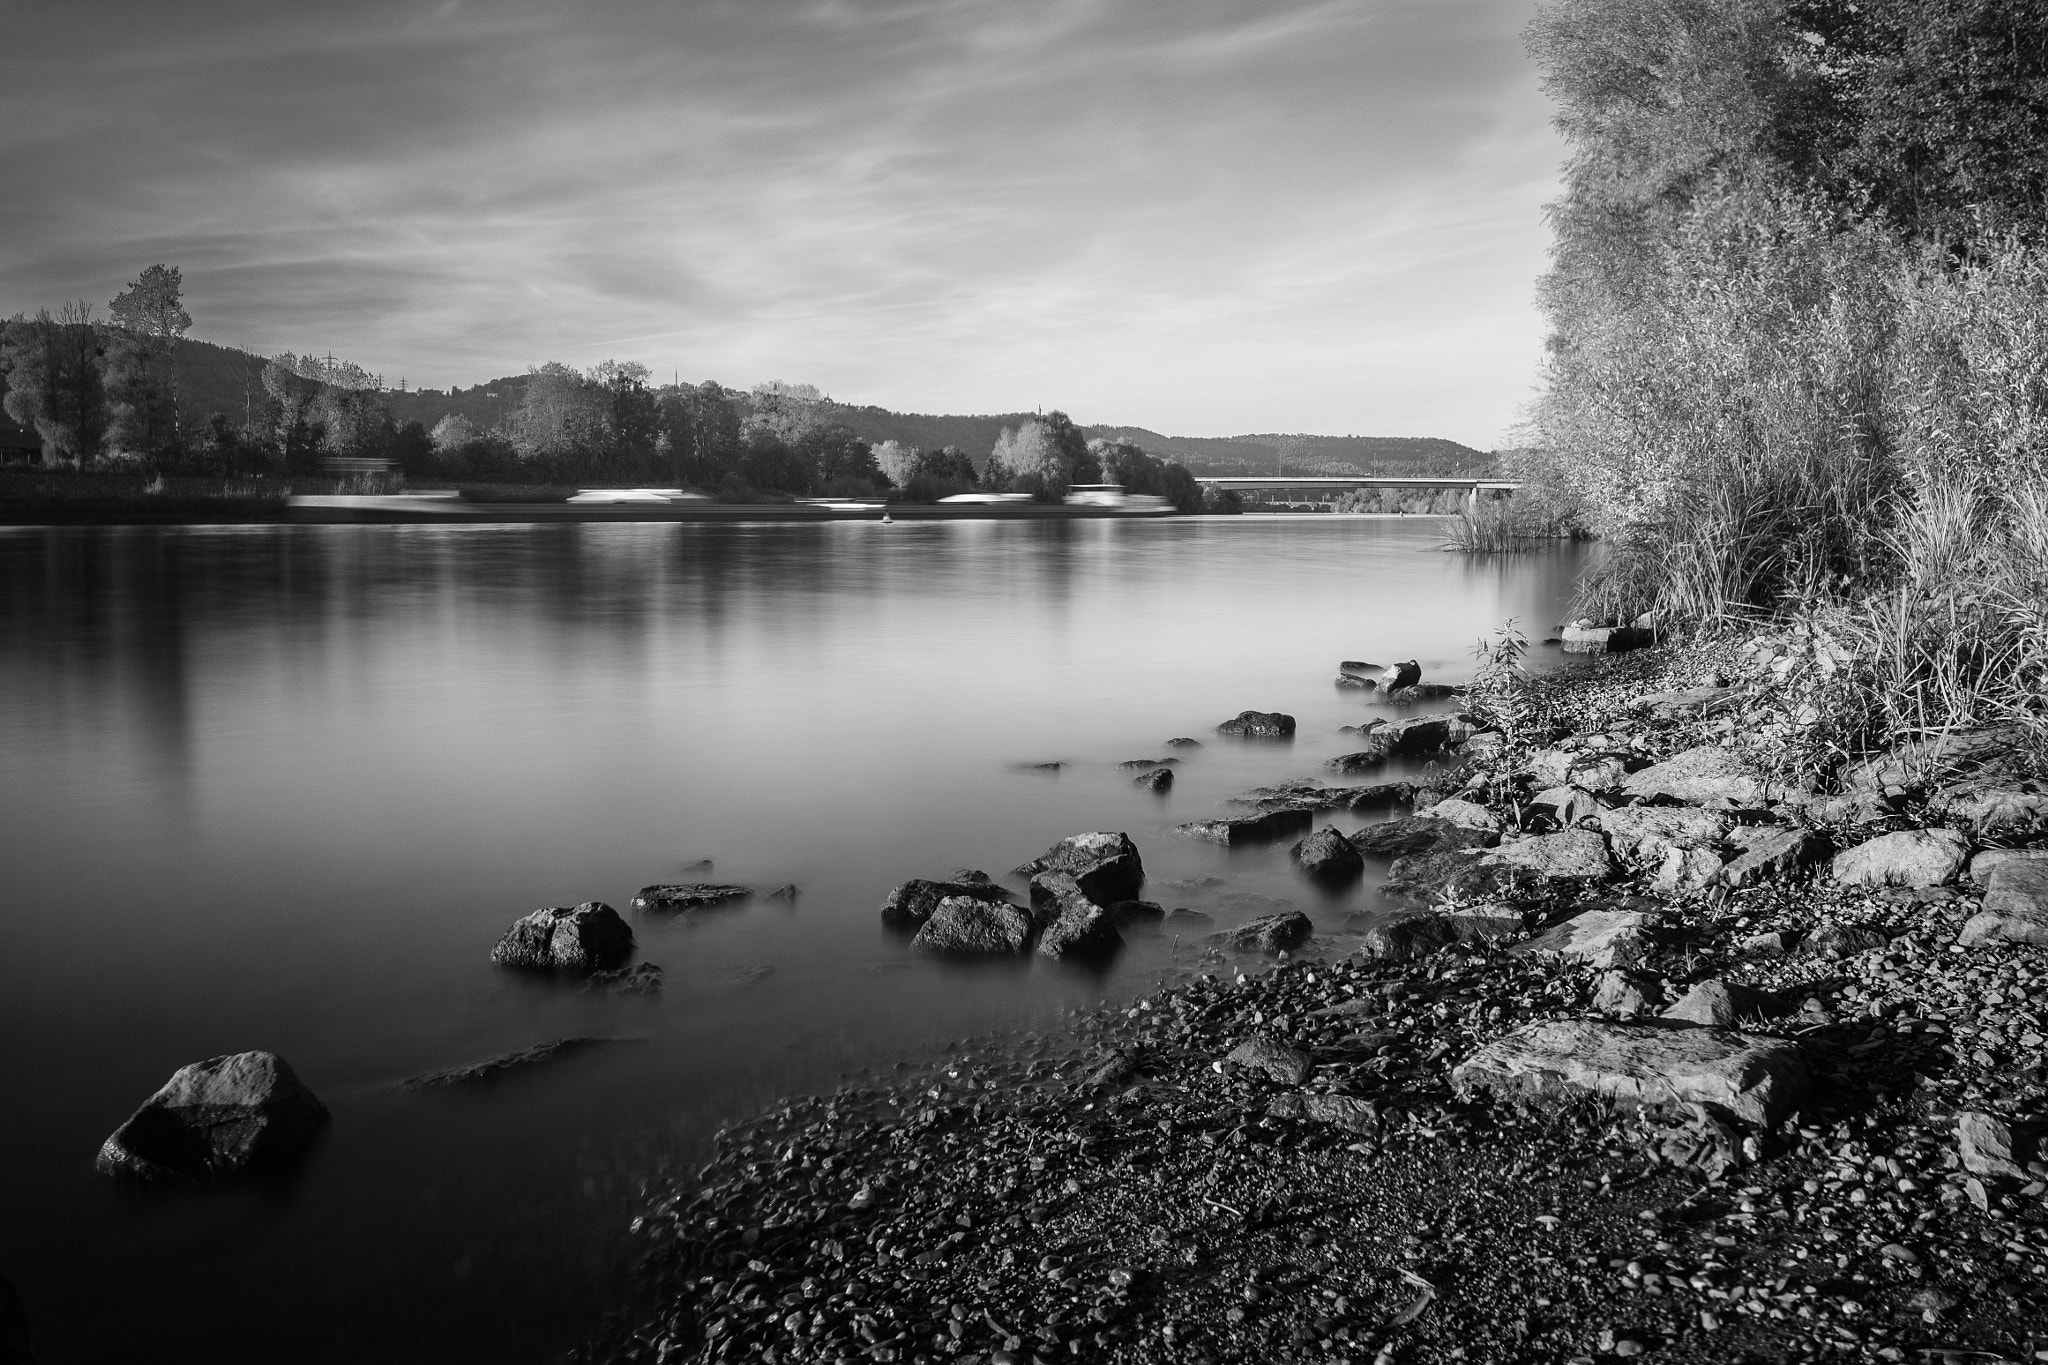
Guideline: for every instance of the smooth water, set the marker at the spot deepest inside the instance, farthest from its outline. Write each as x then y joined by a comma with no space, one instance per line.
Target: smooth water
283,788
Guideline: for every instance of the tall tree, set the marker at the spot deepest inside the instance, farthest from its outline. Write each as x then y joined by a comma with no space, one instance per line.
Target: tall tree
54,381
153,304
145,321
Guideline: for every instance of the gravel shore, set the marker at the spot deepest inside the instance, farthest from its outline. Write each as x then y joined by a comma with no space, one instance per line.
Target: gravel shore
1278,1158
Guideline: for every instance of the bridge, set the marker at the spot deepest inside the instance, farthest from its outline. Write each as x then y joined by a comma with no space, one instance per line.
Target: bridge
1341,483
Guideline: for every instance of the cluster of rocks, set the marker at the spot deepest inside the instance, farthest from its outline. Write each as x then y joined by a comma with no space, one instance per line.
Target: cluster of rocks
1081,890
1645,1050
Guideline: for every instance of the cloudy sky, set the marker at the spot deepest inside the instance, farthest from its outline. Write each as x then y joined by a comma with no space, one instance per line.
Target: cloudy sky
1203,216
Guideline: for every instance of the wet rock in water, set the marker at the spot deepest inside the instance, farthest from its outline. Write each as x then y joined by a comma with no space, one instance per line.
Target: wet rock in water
1133,765
1183,742
506,1064
701,865
1465,814
1258,725
1427,691
2015,907
1913,857
1406,938
1645,834
1987,1146
583,938
1627,995
1338,1111
1580,638
1328,856
1084,932
1266,1056
1052,766
1696,776
1281,933
242,1112
1758,1080
1181,919
1721,1004
1105,863
908,906
968,926
1355,680
14,1342
1602,938
1417,736
1838,941
786,892
1157,780
1359,667
1772,855
1426,833
1364,761
1144,914
642,978
680,897
1574,855
1257,829
1377,796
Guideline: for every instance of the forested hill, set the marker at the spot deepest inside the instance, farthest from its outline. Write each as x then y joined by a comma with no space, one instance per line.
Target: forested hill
1272,452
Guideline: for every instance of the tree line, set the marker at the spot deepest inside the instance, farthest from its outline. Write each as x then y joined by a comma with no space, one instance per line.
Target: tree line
103,394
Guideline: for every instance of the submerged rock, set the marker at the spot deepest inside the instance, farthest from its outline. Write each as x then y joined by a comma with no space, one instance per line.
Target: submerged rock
1406,937
1083,931
1256,829
1157,780
1328,856
1258,725
583,938
642,978
1133,765
685,896
1106,864
1426,833
246,1111
1758,1080
967,926
505,1064
1183,742
1127,913
1281,933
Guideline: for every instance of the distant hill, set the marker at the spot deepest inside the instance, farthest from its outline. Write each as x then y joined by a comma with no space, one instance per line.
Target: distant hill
1274,452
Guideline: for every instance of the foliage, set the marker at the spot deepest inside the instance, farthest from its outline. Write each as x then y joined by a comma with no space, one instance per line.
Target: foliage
55,385
153,304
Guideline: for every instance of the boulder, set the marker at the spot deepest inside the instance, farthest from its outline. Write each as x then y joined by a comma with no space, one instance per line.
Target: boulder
1913,857
1416,736
1328,856
1551,767
1106,865
1757,1080
1991,859
1776,943
2015,907
1992,807
1258,725
682,896
1377,796
1466,814
1183,742
585,938
243,1112
1772,854
1359,668
1574,855
1157,780
1055,893
1627,995
968,926
1696,776
1281,933
1720,1004
1601,771
1686,869
1364,684
1406,938
1422,692
1084,932
1337,1111
908,906
1483,923
1839,941
1257,829
1564,806
1483,742
1364,761
1421,879
1987,1146
1603,938
1134,765
1587,639
642,978
1421,834
1646,834
1265,1056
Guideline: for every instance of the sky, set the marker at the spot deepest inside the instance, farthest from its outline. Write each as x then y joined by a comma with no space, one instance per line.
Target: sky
1205,217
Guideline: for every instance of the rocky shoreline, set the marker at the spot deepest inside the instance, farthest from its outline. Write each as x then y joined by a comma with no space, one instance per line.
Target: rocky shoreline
1646,1050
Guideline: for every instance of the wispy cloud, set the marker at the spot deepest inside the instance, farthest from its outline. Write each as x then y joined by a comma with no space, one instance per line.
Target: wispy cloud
1205,217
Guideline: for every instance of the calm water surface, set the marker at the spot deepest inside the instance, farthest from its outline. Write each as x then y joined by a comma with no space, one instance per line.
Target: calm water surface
283,788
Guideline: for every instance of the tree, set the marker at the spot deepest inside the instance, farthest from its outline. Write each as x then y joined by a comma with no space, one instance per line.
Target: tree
898,462
560,417
632,414
54,380
788,411
452,432
843,461
153,304
711,427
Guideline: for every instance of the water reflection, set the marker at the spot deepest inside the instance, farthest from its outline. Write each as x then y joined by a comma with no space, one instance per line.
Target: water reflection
283,787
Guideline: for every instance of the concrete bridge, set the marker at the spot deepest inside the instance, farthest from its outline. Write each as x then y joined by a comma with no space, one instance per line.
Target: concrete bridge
1323,483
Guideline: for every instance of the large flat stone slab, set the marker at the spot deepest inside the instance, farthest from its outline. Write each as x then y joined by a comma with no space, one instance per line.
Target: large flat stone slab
1910,857
1758,1080
2015,907
1602,938
1646,833
1696,776
1577,855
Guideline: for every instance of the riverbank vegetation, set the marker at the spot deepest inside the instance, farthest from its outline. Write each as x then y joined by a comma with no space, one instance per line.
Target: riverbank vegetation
1798,363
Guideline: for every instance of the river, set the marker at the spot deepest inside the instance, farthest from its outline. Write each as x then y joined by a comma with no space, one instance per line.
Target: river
283,788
